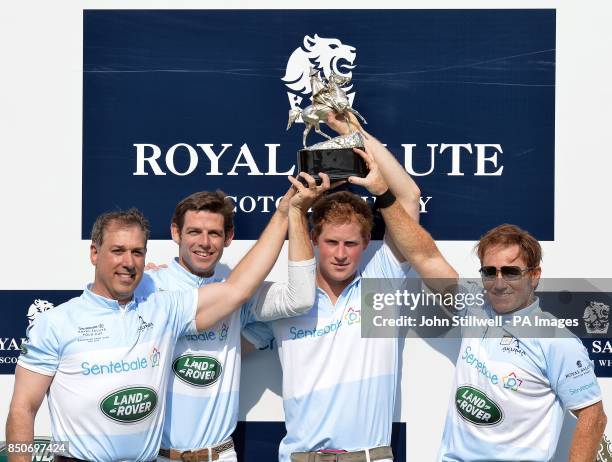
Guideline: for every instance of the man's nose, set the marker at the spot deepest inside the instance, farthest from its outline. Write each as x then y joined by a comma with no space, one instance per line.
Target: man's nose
500,282
204,240
340,253
128,260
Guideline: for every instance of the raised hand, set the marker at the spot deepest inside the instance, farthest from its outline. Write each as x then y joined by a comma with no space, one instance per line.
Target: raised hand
305,196
283,205
374,182
337,122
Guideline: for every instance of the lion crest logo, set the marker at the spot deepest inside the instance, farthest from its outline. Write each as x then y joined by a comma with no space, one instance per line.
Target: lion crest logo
36,308
596,318
326,55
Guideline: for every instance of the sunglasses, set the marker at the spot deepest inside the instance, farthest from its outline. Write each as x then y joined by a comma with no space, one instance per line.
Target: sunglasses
509,273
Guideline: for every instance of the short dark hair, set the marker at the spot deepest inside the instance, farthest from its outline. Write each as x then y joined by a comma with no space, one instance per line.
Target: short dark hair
339,208
507,235
131,217
214,202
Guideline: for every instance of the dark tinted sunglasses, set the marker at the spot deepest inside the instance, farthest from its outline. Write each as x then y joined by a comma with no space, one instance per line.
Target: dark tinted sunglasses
509,273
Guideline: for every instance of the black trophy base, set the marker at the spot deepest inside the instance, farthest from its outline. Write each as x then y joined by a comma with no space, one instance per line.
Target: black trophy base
339,163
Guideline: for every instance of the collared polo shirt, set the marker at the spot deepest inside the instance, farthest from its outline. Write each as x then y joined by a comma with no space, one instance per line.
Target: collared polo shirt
510,391
339,389
110,367
203,388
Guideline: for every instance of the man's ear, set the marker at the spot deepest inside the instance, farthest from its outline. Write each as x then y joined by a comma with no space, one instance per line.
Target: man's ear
535,276
93,254
229,237
176,233
366,240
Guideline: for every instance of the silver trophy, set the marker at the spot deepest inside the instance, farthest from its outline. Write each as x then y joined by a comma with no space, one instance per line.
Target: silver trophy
334,156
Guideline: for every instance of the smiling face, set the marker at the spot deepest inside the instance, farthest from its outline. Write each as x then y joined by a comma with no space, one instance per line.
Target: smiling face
507,296
340,249
201,241
119,261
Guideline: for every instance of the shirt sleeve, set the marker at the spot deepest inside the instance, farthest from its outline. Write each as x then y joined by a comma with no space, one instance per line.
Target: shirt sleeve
571,374
181,308
259,334
40,350
282,300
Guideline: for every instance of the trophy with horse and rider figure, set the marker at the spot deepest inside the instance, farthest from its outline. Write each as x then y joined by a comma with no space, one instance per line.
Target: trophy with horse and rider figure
334,156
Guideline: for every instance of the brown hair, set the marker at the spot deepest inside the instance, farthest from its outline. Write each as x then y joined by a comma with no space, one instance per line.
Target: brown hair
506,235
339,208
214,202
131,217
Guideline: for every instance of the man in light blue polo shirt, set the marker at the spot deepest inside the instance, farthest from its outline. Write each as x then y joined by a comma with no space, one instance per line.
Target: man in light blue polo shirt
515,410
202,411
511,389
103,358
339,389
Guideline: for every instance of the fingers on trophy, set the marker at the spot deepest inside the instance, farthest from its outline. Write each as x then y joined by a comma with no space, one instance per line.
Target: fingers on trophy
307,190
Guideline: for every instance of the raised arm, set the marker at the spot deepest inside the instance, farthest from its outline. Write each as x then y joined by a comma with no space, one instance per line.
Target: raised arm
386,175
217,301
419,248
28,393
300,246
281,300
396,178
409,238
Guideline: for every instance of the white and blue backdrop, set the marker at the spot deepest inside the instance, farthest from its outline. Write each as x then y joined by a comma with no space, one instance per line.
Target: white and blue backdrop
501,115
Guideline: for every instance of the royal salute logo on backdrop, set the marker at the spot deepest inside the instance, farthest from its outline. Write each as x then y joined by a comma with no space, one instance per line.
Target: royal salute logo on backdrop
589,309
15,344
596,323
20,309
596,318
324,55
37,307
207,109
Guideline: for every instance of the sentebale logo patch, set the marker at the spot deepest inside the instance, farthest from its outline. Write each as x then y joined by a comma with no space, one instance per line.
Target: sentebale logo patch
129,405
476,407
199,371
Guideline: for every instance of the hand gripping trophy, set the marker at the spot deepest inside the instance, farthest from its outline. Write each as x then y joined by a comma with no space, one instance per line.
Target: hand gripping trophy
335,156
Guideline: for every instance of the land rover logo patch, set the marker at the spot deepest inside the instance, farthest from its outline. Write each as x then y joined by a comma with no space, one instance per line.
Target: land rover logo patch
129,405
199,371
476,407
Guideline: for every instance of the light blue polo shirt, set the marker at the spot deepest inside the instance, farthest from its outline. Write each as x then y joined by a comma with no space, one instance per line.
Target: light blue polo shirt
110,368
339,389
203,388
510,392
